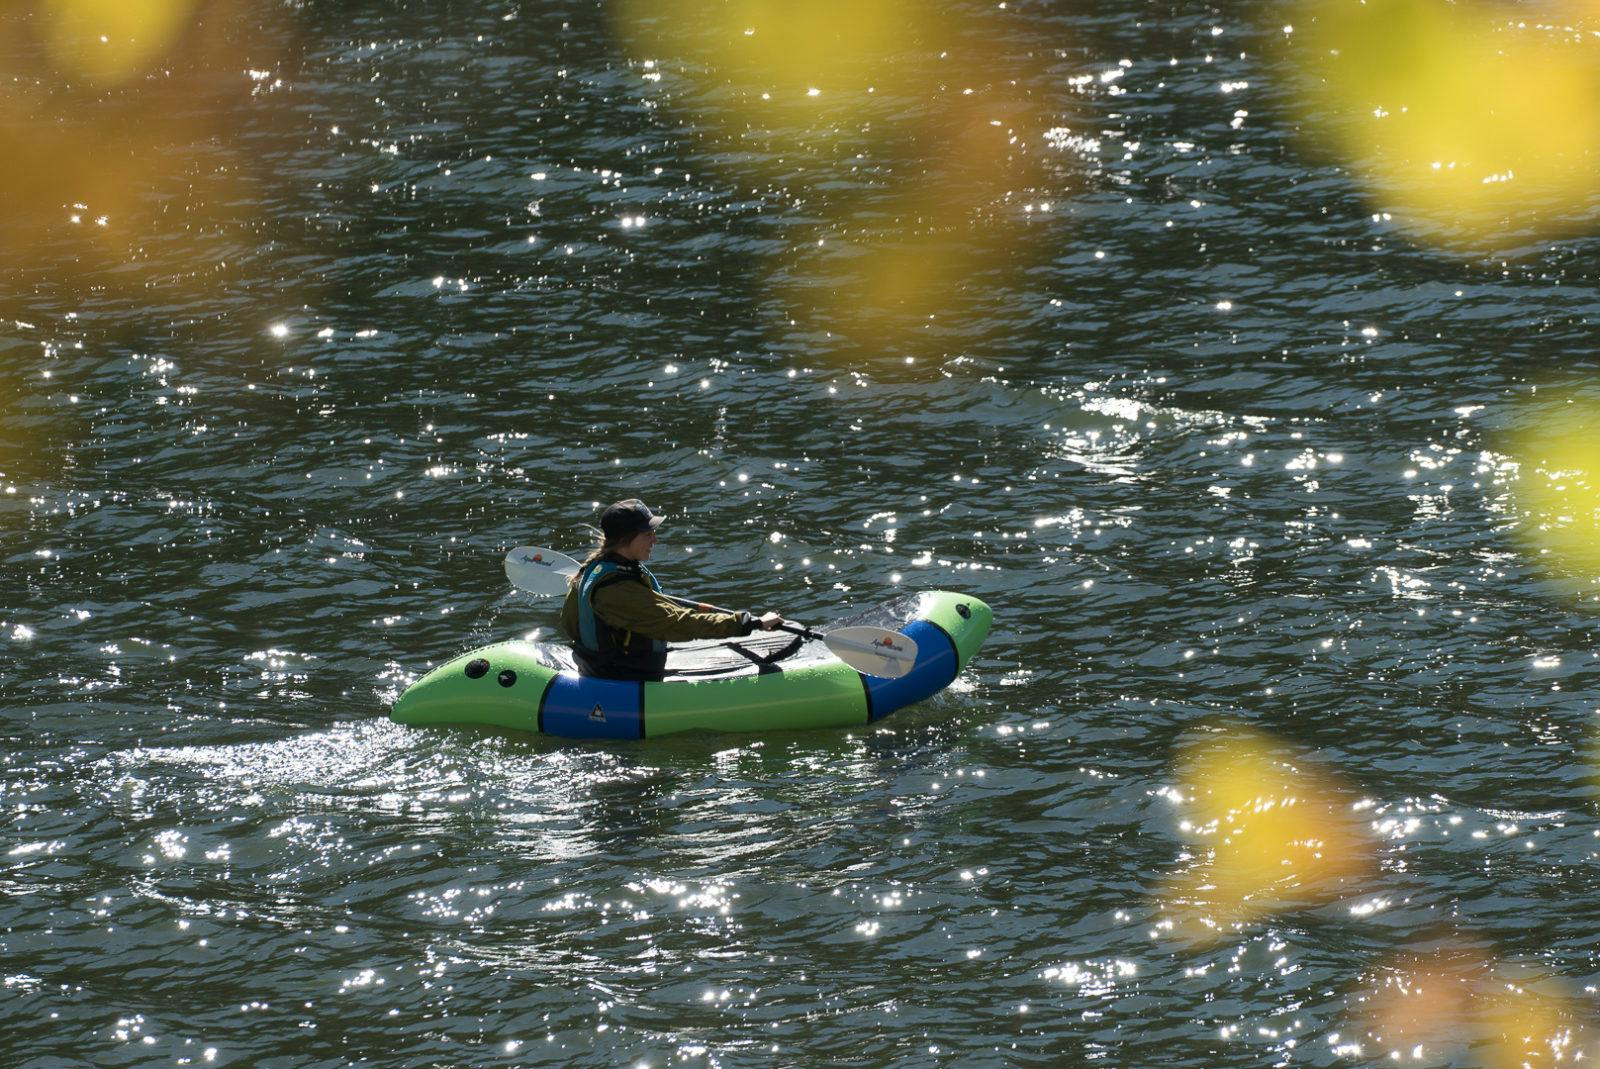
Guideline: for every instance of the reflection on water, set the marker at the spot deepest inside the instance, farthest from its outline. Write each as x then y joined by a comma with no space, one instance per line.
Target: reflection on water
1260,489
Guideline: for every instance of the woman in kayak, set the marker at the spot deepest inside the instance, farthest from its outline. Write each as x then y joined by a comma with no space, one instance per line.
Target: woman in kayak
618,619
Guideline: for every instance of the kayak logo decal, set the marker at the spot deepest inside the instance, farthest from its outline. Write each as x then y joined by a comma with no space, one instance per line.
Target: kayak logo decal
597,713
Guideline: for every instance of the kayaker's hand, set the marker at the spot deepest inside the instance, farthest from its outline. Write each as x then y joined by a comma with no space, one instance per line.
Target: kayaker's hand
770,621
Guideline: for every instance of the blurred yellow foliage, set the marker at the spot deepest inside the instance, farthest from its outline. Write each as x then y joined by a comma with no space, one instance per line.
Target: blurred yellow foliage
1454,1009
109,41
875,80
1524,1029
1556,444
1270,832
1420,1011
945,235
784,61
1472,125
114,127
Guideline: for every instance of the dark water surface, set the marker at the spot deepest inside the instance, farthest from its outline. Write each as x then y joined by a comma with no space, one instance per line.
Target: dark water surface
372,303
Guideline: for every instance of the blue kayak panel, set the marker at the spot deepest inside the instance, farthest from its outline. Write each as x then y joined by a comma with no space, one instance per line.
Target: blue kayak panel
935,669
587,707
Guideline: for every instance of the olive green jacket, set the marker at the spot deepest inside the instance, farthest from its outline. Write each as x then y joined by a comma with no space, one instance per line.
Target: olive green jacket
633,606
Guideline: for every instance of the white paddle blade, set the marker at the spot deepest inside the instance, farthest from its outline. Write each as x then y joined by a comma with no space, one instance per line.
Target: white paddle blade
539,571
875,651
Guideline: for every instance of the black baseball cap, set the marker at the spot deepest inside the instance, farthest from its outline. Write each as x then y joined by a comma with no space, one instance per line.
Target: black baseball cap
627,518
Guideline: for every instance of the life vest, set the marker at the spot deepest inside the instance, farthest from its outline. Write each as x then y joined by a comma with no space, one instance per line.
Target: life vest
612,647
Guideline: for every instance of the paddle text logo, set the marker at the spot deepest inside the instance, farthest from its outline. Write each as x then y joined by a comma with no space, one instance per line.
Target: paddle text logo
537,558
888,643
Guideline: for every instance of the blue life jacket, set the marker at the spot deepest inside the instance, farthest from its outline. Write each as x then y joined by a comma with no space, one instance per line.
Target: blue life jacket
613,647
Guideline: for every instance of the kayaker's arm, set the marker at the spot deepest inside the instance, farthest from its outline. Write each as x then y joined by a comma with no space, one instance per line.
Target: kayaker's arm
635,607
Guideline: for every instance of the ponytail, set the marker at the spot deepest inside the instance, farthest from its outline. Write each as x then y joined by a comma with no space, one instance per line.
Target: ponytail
602,546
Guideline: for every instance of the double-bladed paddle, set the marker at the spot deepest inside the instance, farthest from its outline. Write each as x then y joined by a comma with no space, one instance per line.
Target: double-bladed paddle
874,651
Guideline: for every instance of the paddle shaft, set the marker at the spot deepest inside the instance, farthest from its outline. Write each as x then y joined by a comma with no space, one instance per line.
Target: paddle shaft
793,629
834,642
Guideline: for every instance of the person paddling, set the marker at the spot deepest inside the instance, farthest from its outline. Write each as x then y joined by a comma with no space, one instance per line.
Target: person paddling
617,617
